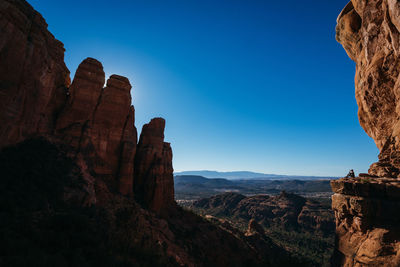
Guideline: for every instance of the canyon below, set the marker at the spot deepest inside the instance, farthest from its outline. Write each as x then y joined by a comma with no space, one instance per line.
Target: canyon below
296,215
80,186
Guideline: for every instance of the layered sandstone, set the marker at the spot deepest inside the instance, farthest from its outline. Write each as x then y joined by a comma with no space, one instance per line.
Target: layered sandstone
154,180
366,208
369,32
99,123
367,221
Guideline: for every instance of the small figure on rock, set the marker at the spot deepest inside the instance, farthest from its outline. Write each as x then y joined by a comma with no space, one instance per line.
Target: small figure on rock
350,174
66,89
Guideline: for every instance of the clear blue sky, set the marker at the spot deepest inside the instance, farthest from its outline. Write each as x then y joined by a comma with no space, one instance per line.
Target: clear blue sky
243,85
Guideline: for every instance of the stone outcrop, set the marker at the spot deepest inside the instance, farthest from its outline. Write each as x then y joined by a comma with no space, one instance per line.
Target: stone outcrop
369,32
366,208
367,221
315,216
96,122
154,181
254,228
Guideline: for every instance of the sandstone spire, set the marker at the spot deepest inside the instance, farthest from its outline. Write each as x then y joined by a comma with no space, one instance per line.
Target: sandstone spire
154,181
95,122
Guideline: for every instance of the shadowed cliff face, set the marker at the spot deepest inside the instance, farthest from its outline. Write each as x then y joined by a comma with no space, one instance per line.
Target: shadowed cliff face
366,208
32,71
154,158
97,122
369,32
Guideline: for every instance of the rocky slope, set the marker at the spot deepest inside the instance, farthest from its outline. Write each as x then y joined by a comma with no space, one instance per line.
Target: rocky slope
366,208
77,188
286,210
301,226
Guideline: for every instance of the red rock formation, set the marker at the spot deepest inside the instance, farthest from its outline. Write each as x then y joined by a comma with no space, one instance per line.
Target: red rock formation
98,123
83,98
127,156
367,221
154,181
369,32
255,228
112,132
366,208
33,76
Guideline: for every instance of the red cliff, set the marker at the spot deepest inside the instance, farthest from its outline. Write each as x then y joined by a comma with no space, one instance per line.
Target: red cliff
366,208
33,75
369,32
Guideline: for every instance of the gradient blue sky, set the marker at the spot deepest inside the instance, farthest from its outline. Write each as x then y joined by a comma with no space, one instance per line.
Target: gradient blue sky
243,85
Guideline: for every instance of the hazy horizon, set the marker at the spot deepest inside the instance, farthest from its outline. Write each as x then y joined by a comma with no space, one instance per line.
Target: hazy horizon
242,173
254,85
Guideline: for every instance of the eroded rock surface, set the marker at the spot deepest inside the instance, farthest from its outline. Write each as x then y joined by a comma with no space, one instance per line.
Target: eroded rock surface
33,75
366,208
154,180
369,32
367,221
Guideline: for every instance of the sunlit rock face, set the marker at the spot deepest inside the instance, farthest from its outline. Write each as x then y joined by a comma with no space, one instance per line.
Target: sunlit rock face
367,221
369,32
367,207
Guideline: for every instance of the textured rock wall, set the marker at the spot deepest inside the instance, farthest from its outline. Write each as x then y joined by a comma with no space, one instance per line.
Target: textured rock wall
369,32
97,122
366,208
33,76
367,222
154,181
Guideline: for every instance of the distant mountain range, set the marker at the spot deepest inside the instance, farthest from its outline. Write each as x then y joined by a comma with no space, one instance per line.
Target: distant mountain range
240,175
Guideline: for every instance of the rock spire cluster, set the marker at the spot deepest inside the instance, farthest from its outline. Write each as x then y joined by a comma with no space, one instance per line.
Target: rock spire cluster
97,122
